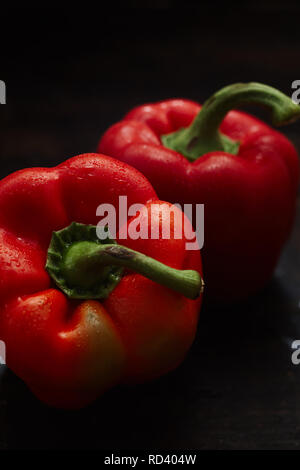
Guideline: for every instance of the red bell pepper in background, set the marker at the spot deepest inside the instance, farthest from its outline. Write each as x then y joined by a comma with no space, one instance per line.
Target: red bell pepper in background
244,172
116,325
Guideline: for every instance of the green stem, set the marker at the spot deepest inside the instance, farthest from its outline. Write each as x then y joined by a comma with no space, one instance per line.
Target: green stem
203,135
87,267
84,262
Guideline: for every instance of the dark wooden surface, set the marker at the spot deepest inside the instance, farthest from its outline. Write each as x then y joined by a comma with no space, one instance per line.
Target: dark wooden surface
68,78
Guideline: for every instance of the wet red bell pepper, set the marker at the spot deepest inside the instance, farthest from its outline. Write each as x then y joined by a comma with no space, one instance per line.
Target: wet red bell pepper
244,171
79,314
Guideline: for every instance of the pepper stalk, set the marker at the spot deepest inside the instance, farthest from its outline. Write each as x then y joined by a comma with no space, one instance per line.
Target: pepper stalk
203,135
86,267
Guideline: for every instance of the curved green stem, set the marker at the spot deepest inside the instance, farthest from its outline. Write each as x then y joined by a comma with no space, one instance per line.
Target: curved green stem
84,262
203,135
85,267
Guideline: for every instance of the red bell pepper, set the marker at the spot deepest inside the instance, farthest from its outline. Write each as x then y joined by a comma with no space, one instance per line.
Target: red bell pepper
95,314
244,171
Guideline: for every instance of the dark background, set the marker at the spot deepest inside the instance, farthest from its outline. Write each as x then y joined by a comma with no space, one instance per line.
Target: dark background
69,75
